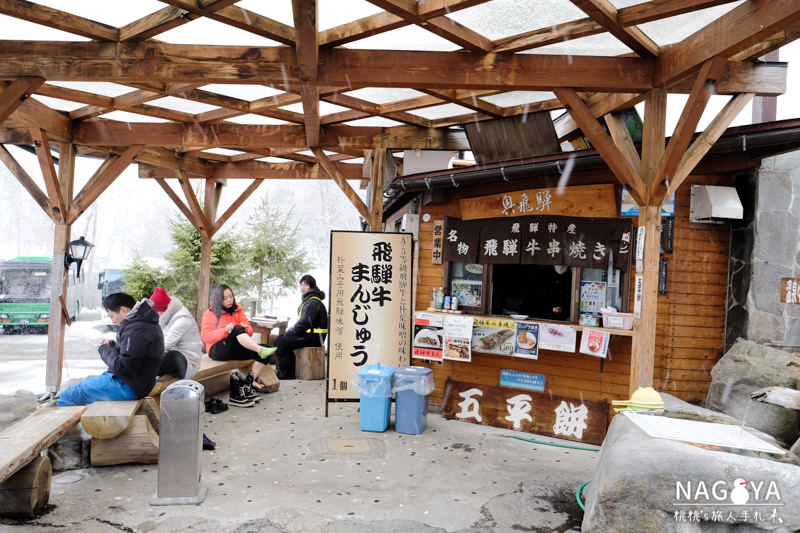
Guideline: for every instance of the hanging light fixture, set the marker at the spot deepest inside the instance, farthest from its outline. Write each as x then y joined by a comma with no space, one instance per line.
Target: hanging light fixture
79,250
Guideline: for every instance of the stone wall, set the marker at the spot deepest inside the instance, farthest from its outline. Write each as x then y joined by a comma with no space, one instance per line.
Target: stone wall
775,254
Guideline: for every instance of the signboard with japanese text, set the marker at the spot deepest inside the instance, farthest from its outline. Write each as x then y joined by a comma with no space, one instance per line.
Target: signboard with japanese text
370,305
593,297
579,201
438,235
526,340
539,240
790,290
493,335
594,342
525,410
522,380
557,337
457,336
428,336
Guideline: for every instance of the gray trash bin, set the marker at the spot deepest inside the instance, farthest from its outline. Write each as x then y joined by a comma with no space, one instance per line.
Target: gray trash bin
180,444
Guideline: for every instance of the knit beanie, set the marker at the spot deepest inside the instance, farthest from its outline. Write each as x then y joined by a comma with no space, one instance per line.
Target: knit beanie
160,299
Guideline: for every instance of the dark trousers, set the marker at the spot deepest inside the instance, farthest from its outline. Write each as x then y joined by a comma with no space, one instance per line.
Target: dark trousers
286,345
229,349
174,364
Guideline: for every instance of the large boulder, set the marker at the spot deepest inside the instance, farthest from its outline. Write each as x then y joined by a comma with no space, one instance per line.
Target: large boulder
641,484
16,406
745,368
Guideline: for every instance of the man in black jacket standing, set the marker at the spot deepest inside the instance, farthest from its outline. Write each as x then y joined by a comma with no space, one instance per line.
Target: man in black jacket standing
133,358
312,323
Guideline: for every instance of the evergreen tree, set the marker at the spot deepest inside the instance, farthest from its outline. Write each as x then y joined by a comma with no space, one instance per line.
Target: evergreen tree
227,262
274,259
140,278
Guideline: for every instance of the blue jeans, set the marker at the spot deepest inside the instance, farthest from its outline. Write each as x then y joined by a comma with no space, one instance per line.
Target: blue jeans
106,386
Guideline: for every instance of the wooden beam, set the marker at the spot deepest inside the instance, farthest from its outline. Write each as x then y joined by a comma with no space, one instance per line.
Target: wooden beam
58,204
154,24
237,204
644,328
654,135
211,198
707,138
176,200
25,180
15,93
111,168
306,15
622,138
352,195
557,33
726,36
690,117
605,14
660,9
602,143
310,95
37,115
60,20
376,180
198,218
162,62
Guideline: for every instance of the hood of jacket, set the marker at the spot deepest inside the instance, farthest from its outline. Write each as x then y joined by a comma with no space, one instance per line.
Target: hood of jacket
142,312
174,306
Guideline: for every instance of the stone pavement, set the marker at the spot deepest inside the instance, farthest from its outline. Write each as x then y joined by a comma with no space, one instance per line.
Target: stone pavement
281,466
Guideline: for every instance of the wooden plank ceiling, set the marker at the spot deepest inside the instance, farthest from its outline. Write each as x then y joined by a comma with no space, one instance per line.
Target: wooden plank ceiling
308,69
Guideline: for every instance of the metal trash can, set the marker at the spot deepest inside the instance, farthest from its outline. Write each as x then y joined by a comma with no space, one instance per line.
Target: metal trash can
375,384
412,385
180,444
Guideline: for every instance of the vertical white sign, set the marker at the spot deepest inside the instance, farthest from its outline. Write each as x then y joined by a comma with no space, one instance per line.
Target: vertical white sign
637,296
640,249
370,305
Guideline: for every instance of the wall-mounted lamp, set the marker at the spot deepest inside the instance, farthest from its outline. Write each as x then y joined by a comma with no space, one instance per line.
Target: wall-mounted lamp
79,250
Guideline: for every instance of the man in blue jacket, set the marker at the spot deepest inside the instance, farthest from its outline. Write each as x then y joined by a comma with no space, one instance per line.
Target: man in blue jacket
133,358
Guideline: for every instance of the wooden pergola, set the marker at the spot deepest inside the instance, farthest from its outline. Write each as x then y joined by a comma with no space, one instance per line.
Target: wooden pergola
311,67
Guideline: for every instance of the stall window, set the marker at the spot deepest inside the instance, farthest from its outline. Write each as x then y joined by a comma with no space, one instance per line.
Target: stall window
539,291
467,282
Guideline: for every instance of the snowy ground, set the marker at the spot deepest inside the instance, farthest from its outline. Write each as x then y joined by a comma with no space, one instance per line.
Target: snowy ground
23,357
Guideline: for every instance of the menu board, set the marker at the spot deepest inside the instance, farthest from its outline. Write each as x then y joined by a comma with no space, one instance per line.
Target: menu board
428,334
457,336
494,335
593,297
526,340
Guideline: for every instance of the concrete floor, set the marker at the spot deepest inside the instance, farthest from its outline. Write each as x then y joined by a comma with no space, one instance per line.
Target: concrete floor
281,466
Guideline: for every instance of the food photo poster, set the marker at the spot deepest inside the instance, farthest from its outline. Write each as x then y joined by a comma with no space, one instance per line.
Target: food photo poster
594,342
457,337
526,343
428,336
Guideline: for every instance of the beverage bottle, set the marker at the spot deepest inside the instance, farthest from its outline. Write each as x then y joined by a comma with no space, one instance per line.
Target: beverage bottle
440,298
433,299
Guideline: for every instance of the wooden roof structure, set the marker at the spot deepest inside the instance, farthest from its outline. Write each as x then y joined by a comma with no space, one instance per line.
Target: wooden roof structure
318,87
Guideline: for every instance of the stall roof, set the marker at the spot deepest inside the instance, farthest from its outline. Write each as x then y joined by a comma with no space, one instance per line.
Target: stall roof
755,141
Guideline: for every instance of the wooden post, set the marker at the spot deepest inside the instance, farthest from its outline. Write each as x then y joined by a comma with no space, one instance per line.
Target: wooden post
376,180
59,283
644,328
213,191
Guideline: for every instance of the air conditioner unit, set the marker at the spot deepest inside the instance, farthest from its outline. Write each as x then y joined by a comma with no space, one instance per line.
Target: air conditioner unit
710,203
410,224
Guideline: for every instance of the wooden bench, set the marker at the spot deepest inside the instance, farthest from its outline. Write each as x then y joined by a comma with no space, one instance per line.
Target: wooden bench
214,376
122,431
310,362
24,475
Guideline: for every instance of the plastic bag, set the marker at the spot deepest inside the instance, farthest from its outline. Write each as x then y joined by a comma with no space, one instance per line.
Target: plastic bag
373,387
421,383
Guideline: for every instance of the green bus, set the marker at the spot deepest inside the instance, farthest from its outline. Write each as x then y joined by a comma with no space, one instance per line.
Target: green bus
25,294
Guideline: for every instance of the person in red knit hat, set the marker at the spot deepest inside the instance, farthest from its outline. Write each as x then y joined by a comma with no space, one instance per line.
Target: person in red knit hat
182,343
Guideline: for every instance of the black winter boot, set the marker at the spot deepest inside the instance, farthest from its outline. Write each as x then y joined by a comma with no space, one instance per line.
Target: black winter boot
237,397
249,393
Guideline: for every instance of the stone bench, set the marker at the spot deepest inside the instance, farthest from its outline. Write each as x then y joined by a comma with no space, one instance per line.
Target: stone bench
24,474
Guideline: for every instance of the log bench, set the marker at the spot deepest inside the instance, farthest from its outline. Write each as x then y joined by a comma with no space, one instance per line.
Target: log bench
310,362
24,474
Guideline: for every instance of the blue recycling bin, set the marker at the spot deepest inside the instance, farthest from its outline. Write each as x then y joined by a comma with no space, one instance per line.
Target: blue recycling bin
375,384
412,386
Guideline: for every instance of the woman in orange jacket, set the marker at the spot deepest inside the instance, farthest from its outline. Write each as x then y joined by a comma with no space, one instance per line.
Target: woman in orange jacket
228,336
